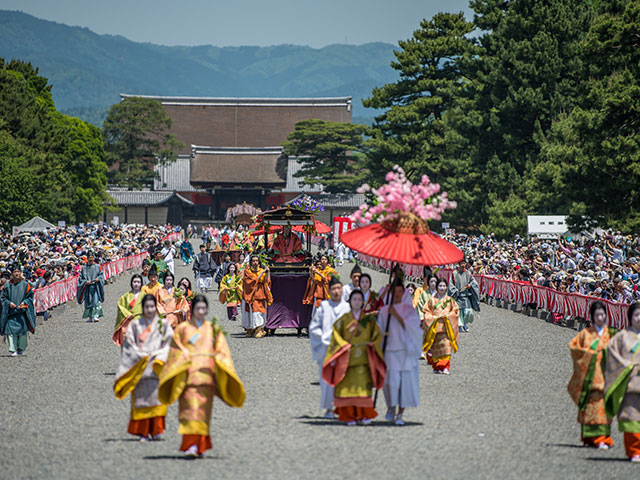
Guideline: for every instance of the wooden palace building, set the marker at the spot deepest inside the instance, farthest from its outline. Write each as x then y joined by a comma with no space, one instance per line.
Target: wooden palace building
233,149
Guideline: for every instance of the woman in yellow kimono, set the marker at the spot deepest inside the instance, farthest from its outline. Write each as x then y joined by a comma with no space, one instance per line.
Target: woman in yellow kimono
153,286
586,386
441,323
144,351
128,308
231,291
172,303
354,363
199,367
318,284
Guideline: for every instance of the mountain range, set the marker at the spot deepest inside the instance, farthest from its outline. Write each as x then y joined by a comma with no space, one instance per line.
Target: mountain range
88,71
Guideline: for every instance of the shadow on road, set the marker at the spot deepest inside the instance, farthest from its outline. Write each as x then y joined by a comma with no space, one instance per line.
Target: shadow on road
320,421
127,439
181,457
564,445
605,459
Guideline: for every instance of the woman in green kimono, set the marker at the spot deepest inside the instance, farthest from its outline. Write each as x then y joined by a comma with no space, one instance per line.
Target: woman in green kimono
622,382
354,363
17,313
91,289
129,308
231,291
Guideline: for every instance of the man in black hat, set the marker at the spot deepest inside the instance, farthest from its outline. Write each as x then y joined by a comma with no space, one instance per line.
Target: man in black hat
90,290
356,272
17,314
203,268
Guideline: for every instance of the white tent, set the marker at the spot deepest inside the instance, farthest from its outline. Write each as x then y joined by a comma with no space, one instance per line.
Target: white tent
36,224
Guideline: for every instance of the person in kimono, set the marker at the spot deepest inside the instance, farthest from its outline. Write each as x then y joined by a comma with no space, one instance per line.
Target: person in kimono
129,307
90,289
440,322
203,268
317,285
320,332
161,265
401,325
153,285
622,382
354,363
464,289
144,352
287,247
199,367
371,299
586,386
172,303
426,275
231,291
356,273
186,251
256,293
425,293
17,312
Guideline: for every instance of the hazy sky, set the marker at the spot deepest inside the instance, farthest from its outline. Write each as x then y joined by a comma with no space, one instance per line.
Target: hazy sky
243,22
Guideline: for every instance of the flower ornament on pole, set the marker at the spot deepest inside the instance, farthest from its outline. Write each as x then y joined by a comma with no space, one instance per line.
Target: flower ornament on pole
394,225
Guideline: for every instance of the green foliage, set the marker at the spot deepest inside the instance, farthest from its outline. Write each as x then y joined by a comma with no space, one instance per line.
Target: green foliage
136,139
330,153
51,165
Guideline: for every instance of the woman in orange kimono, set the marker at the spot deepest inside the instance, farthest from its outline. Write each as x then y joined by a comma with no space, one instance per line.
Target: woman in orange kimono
172,302
586,386
199,367
354,363
441,324
256,293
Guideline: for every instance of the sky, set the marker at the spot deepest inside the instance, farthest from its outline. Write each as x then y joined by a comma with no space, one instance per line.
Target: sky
316,23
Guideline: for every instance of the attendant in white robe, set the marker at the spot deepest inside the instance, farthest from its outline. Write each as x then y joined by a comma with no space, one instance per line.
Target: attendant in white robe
401,355
320,330
356,272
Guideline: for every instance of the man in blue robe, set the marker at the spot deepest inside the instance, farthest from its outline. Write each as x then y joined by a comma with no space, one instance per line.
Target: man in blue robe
91,289
17,313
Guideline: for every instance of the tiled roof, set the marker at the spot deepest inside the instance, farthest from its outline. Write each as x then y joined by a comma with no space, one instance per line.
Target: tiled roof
294,184
338,200
175,176
248,101
141,198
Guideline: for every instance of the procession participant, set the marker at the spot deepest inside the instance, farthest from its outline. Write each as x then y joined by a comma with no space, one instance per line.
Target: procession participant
426,275
356,272
186,251
153,285
320,332
622,382
222,269
464,288
161,266
441,320
146,266
287,247
203,268
586,386
90,289
168,254
401,324
172,303
144,352
128,308
256,293
370,296
354,363
317,286
427,292
17,313
231,291
199,367
185,285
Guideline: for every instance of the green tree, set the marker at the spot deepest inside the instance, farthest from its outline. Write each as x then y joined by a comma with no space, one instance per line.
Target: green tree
136,139
595,148
330,153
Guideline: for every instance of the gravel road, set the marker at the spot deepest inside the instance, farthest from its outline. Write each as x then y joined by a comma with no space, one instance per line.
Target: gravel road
503,413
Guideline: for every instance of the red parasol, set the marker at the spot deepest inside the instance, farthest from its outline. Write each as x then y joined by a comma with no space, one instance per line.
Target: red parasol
406,240
321,228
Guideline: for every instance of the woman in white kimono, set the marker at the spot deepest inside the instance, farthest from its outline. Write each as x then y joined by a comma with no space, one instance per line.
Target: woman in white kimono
402,353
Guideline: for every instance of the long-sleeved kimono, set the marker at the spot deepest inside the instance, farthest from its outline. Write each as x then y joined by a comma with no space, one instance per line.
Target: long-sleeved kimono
441,337
371,302
186,252
172,304
256,293
586,386
318,287
92,295
144,352
622,386
193,379
468,299
231,290
421,300
401,355
151,289
129,307
354,365
16,322
320,331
